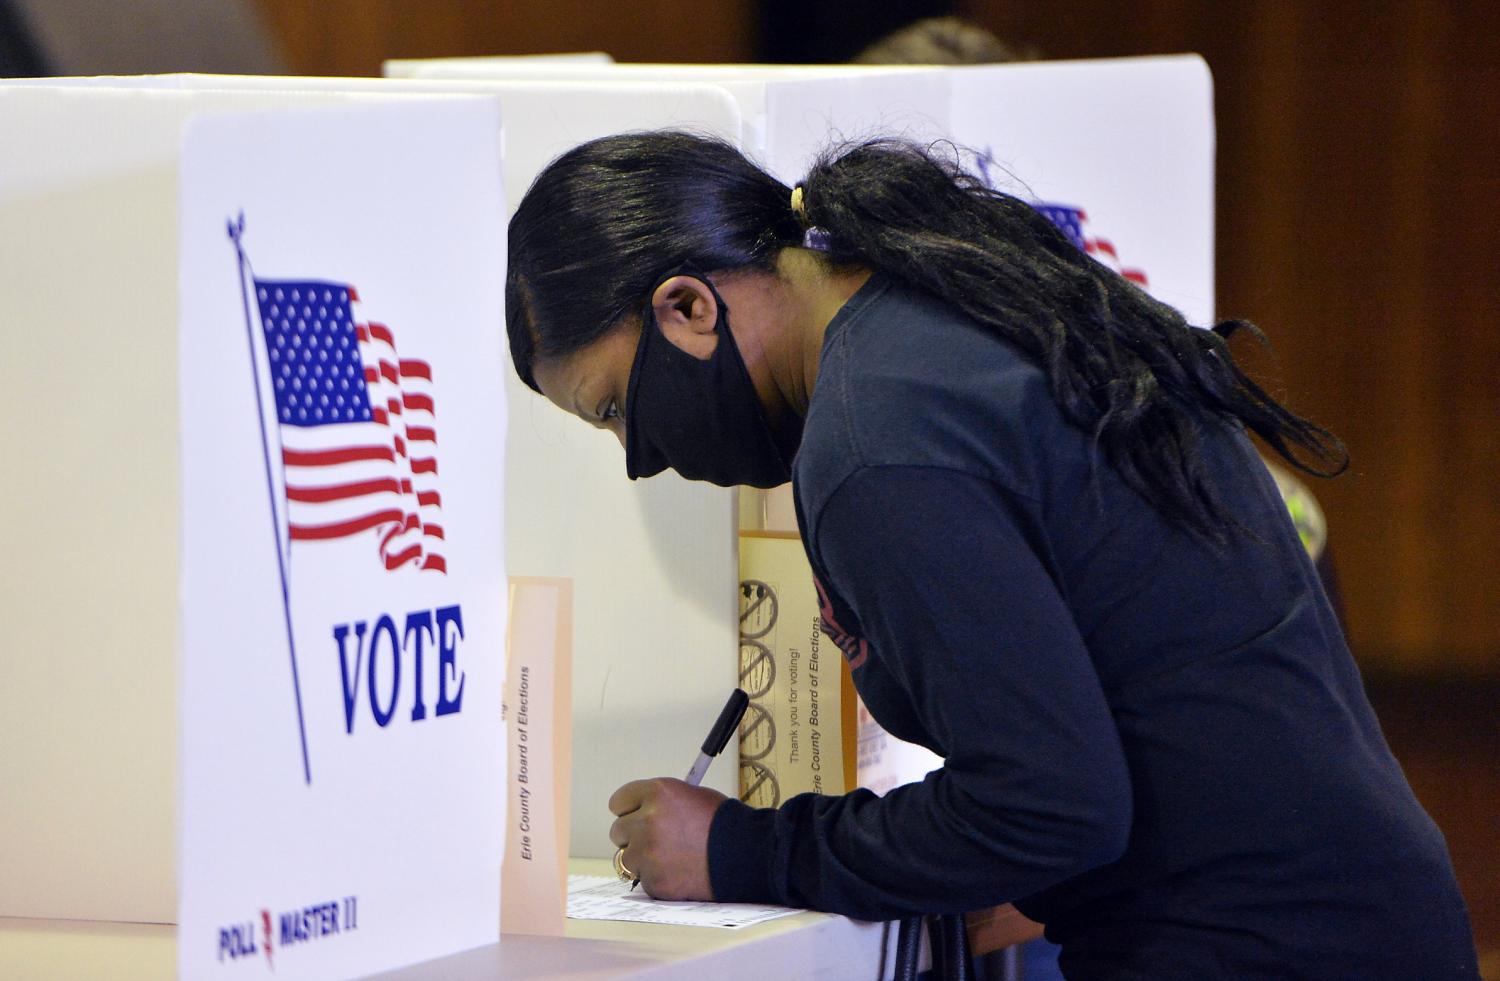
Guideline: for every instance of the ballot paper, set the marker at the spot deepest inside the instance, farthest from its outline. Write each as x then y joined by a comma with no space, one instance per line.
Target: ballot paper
597,897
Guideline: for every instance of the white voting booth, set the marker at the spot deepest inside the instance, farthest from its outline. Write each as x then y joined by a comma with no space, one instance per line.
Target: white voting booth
652,562
259,632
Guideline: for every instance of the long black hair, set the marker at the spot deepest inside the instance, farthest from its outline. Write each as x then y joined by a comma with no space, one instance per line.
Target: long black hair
604,221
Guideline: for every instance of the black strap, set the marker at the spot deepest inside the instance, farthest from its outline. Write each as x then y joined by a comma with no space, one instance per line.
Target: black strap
908,949
950,948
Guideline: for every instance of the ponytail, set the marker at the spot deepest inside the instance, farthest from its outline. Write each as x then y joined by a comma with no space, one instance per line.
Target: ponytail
1123,366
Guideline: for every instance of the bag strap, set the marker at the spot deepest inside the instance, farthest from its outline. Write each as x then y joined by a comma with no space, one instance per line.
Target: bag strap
950,948
908,949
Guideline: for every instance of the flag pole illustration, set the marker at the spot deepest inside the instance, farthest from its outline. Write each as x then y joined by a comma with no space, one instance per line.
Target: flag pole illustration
355,428
236,232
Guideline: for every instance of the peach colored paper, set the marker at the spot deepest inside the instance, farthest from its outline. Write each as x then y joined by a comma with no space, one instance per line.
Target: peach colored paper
539,739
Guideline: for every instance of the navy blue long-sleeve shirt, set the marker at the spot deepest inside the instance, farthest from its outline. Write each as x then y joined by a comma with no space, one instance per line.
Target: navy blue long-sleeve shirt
1160,749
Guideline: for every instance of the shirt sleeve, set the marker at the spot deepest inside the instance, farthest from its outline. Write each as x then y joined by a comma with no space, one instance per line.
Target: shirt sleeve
1034,788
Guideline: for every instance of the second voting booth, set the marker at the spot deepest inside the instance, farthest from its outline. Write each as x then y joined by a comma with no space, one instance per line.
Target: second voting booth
275,669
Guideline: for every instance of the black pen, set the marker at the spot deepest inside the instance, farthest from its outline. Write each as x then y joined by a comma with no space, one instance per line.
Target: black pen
718,738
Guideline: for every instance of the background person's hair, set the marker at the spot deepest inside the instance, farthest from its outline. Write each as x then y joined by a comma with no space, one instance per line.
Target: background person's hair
605,220
941,41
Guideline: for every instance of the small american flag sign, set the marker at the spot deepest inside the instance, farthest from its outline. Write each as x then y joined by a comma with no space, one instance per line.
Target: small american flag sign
357,425
1074,223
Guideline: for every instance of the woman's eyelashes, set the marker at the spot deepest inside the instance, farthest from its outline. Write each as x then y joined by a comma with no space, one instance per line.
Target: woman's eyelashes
607,410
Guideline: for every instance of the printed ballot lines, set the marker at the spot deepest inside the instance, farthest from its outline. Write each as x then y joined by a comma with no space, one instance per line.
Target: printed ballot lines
263,598
652,562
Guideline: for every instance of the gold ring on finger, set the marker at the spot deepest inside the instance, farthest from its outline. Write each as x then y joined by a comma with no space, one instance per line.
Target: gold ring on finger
624,874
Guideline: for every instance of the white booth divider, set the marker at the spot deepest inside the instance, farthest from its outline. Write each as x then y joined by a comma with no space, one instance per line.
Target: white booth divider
174,628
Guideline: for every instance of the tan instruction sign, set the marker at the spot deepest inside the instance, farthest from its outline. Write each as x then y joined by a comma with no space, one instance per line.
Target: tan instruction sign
798,733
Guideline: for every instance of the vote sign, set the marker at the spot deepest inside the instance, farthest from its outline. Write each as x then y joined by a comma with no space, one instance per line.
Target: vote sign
343,586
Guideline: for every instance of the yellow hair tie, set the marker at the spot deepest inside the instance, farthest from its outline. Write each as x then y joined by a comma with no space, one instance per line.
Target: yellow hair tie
798,208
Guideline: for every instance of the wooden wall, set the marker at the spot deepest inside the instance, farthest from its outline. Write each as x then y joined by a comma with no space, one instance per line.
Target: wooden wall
352,37
1359,177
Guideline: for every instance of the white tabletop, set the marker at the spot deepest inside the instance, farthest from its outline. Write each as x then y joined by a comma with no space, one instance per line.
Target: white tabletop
808,945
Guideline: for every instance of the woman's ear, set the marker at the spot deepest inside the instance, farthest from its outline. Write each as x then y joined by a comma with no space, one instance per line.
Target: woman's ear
687,313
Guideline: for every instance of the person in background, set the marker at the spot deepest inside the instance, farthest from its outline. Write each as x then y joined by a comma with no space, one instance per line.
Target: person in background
941,41
1042,540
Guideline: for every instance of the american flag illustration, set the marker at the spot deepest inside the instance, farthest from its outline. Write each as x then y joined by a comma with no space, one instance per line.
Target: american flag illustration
1070,220
357,425
1073,223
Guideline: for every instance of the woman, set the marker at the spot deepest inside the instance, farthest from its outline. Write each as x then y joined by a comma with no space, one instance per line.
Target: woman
1042,540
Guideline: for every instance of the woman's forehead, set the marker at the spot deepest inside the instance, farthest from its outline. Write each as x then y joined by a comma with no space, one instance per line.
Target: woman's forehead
600,362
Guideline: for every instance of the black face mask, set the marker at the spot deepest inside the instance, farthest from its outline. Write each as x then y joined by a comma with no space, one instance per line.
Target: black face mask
701,418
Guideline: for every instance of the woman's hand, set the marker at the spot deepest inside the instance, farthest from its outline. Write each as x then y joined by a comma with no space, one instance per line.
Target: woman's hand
663,827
